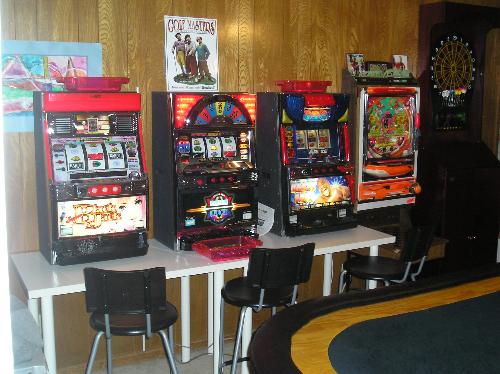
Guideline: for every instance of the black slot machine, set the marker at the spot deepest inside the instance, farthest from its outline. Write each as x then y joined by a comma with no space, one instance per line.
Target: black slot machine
304,158
385,113
204,164
92,186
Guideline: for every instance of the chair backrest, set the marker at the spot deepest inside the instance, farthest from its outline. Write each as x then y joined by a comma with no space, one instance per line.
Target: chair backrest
125,292
280,267
417,243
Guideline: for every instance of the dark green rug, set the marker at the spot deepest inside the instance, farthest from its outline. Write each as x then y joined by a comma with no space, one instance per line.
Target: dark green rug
459,338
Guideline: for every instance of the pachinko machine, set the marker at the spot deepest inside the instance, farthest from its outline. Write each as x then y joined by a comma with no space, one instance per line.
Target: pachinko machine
205,173
304,158
386,124
92,186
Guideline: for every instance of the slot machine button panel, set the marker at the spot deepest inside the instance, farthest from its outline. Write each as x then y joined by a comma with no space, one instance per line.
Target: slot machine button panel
104,190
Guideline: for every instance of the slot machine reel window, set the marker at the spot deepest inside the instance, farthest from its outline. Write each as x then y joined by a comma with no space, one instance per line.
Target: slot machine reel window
216,208
389,126
88,158
309,193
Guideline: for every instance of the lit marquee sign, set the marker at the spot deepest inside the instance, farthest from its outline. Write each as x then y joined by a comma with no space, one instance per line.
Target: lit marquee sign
102,216
218,207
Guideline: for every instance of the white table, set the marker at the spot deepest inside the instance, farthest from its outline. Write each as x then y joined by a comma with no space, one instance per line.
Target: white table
43,281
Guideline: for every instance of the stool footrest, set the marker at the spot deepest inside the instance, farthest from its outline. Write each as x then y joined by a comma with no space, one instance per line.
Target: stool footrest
229,362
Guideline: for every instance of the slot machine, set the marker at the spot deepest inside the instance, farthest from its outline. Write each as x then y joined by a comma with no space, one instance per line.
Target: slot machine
304,158
92,186
385,114
205,176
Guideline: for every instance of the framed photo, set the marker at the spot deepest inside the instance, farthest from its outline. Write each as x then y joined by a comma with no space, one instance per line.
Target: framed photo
191,55
355,63
400,62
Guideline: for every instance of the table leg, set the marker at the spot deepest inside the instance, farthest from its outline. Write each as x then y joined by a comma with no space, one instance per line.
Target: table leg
327,274
33,308
49,340
185,320
210,314
373,252
218,283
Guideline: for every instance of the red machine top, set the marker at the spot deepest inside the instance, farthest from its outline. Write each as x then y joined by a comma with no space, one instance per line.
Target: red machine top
93,84
91,101
304,86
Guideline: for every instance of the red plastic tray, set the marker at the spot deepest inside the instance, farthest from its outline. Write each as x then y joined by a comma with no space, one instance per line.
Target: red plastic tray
303,86
100,84
228,248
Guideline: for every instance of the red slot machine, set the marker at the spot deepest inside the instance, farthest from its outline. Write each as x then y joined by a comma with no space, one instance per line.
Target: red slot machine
304,158
205,175
92,186
386,115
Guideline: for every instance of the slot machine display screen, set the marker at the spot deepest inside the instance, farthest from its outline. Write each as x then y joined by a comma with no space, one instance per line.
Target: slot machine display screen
207,147
209,208
389,126
321,145
308,193
86,158
101,216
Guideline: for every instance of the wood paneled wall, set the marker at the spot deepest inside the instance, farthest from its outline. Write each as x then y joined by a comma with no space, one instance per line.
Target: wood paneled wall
260,41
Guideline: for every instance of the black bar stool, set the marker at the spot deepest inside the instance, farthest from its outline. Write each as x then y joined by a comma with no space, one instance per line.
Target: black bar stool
389,270
128,303
272,280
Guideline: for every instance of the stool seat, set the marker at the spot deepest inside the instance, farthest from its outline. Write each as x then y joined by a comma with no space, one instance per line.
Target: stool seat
134,324
373,267
240,292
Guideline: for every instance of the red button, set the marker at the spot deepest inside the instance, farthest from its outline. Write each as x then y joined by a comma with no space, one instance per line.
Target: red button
213,180
222,179
199,182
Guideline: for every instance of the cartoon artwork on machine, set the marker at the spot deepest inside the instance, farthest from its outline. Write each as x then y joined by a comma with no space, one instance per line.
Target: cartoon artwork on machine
92,184
204,153
306,167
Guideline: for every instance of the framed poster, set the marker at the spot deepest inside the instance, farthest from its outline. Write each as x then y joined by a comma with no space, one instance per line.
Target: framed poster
29,66
191,56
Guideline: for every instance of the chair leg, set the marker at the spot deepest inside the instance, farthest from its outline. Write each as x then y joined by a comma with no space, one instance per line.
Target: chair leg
273,310
237,342
109,355
171,337
93,352
221,337
168,351
342,280
347,282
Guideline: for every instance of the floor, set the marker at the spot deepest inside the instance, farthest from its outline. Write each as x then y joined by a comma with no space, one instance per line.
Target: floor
201,363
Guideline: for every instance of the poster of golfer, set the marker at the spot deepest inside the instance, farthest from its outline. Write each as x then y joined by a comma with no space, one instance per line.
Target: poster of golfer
191,57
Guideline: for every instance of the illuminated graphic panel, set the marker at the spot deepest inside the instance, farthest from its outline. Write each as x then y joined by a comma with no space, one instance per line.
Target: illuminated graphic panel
390,123
101,216
319,192
217,208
